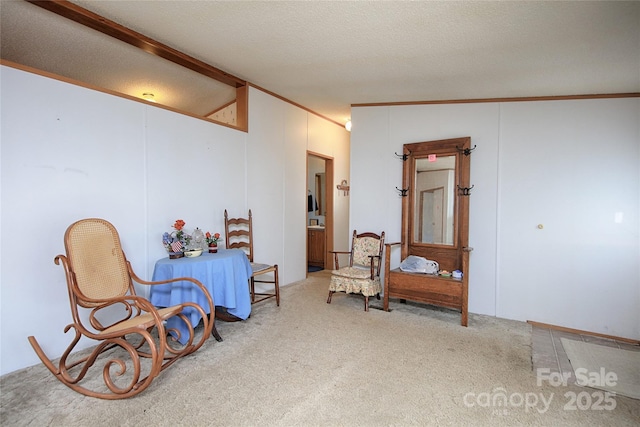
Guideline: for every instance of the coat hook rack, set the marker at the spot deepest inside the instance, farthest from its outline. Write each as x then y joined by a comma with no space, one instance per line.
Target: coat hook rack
344,187
466,151
402,156
402,192
465,191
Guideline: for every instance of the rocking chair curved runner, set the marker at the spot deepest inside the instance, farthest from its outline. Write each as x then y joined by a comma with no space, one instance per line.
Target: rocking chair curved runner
362,276
133,342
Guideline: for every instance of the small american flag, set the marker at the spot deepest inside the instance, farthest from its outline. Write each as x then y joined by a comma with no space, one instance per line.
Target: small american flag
176,246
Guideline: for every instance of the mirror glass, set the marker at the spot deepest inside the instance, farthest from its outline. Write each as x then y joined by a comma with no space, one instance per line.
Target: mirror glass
434,200
320,193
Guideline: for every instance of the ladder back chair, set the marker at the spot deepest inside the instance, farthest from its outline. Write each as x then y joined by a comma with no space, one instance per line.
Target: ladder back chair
239,235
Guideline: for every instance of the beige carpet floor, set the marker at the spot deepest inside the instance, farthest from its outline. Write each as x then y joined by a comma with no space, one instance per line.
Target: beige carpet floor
309,363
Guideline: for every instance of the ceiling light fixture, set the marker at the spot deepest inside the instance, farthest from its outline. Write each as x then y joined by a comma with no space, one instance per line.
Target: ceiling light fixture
347,125
148,96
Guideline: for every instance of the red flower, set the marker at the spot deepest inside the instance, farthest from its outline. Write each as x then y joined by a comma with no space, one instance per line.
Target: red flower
212,239
179,224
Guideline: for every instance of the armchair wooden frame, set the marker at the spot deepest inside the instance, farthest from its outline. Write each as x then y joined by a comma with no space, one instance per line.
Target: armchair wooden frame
133,347
355,275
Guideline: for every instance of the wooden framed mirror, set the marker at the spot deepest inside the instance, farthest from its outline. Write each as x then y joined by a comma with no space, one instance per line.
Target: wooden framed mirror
437,229
435,224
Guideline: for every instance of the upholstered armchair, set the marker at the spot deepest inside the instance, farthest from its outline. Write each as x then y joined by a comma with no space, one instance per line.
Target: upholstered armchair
362,275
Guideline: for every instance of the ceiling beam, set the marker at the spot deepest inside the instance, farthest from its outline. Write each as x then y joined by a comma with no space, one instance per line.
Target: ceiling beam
85,17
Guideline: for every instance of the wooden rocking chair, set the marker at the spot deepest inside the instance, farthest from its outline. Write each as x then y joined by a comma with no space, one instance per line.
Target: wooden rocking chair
133,342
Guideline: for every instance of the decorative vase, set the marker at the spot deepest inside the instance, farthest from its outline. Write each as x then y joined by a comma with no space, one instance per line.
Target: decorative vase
213,248
176,255
198,239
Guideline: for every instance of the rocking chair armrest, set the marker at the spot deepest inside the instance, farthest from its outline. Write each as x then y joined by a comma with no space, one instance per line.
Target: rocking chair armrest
176,279
132,302
209,322
135,277
144,303
163,282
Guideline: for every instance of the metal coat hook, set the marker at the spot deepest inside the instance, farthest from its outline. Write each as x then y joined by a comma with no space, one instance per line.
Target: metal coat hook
402,156
466,151
402,192
465,191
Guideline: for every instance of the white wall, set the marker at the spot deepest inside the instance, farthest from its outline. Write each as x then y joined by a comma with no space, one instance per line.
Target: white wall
194,171
568,165
333,142
69,153
379,132
279,136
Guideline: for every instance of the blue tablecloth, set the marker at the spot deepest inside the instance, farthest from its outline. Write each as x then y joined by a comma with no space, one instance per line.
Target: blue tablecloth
225,274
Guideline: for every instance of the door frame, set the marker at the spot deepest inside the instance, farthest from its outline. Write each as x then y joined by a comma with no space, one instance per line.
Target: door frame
328,197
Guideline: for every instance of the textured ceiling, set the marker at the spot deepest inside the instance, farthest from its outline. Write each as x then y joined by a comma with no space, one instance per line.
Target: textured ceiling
327,55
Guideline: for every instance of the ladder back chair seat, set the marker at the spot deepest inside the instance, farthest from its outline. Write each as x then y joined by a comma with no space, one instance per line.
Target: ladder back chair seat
100,279
239,235
362,275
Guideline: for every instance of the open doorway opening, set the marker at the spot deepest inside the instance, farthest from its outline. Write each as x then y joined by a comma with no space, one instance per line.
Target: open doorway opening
319,211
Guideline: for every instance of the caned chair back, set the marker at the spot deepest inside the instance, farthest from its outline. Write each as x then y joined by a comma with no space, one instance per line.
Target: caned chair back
95,257
239,234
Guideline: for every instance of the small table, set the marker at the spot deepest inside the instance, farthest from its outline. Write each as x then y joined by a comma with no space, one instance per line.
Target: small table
225,274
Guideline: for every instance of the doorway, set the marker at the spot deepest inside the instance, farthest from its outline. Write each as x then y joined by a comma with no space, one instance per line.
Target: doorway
431,221
319,208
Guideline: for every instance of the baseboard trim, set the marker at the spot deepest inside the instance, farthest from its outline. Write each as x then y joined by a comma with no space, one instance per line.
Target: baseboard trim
581,332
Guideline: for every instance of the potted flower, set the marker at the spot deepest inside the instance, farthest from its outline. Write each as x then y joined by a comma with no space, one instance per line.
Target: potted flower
212,241
176,241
